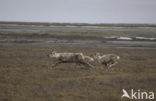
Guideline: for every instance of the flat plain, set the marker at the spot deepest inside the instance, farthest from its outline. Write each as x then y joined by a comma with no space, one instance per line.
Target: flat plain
26,73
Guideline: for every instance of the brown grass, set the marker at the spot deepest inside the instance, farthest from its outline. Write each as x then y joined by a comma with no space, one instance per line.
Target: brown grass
25,75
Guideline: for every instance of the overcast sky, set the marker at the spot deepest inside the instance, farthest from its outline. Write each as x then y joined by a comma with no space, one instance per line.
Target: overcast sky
86,11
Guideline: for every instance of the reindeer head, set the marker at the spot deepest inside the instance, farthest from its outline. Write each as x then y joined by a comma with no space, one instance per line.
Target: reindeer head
116,57
97,55
52,54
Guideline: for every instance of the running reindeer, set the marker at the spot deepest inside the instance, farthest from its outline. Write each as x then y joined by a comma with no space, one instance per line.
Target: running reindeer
107,60
79,58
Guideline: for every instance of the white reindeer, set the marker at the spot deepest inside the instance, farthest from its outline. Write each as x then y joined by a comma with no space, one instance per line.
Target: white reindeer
108,60
71,58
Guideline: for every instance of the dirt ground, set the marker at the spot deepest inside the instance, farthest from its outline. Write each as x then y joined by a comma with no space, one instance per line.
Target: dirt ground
26,74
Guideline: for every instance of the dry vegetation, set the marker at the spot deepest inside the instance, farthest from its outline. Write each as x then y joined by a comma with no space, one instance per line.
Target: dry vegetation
25,75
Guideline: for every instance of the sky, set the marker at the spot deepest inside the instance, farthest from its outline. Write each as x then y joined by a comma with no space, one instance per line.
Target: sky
79,11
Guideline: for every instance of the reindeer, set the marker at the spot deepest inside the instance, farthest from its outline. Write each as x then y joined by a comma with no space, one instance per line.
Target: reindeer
71,58
107,60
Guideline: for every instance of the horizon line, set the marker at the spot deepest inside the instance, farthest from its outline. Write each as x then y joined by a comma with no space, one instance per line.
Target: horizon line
8,21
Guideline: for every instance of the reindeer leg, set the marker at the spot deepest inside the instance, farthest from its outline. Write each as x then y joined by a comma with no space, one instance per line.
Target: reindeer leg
105,66
109,67
81,64
88,64
56,64
84,64
112,65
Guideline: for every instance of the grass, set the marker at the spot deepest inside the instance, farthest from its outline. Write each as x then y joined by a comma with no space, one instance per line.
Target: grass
26,75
